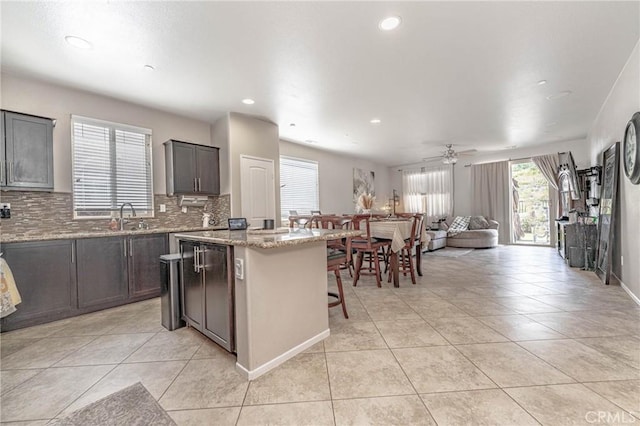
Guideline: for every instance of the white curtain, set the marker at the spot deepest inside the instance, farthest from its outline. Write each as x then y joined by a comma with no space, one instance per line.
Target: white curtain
548,165
428,190
490,195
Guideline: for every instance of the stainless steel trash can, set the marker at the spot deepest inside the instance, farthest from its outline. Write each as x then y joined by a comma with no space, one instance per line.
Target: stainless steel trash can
170,294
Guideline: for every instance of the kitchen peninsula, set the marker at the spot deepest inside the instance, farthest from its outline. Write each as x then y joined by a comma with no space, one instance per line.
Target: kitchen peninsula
280,292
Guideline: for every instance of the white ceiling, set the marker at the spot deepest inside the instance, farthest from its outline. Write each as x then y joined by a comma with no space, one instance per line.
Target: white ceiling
454,72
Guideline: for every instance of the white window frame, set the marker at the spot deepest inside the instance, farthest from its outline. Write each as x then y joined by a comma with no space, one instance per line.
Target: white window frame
114,211
284,211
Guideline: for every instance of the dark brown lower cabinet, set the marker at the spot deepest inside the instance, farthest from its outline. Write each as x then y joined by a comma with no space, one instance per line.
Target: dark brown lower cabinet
64,278
192,292
144,265
207,291
45,274
102,271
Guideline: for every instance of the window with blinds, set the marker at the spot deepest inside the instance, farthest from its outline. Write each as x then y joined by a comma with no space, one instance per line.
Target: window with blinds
298,186
111,166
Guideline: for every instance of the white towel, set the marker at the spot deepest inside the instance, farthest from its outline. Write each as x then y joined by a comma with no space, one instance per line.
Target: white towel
9,295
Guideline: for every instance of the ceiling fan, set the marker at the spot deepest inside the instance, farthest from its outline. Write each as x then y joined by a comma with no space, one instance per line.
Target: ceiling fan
450,155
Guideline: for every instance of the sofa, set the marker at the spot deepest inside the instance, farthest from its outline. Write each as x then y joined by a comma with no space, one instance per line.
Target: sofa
481,233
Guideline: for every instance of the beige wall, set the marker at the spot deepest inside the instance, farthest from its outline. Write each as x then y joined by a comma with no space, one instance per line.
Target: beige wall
254,137
623,101
220,138
58,102
336,176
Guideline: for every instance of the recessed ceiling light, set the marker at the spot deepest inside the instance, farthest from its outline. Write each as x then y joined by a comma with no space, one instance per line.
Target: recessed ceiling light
248,101
375,121
78,42
292,124
311,141
559,95
149,68
542,82
389,23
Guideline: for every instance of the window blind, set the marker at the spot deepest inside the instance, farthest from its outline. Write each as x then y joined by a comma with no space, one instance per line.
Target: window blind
111,166
298,186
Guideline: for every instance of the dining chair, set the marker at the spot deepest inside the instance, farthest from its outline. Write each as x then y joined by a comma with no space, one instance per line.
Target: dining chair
367,249
315,222
420,242
336,258
405,255
338,222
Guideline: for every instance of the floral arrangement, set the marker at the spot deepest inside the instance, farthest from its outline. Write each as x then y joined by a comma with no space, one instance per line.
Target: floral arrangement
365,201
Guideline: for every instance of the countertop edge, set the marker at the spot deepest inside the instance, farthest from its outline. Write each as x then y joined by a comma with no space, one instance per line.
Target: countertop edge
100,234
256,243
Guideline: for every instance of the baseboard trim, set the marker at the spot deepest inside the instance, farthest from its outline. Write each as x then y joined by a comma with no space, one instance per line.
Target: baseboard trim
629,292
270,365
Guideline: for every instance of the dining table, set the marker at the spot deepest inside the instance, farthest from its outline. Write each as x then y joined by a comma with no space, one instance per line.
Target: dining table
397,230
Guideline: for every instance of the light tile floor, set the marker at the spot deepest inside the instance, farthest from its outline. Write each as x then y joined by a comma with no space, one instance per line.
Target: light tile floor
507,336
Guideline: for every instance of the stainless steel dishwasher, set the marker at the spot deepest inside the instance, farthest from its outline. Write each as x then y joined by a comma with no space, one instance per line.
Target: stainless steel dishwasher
207,290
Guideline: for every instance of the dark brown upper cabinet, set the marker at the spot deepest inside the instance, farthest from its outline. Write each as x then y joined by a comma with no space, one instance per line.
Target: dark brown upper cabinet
26,153
192,169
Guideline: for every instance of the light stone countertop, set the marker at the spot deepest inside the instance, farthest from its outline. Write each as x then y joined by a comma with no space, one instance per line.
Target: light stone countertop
267,241
18,238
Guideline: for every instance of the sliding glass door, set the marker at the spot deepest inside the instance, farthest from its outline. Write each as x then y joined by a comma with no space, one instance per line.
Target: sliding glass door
530,221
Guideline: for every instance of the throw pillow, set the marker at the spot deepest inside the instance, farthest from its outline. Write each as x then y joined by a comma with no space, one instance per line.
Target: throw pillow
460,223
444,226
478,222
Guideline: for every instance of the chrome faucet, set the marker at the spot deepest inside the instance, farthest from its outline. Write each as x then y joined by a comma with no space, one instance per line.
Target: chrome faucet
122,221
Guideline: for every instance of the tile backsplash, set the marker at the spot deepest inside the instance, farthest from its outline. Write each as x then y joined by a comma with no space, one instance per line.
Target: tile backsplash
34,213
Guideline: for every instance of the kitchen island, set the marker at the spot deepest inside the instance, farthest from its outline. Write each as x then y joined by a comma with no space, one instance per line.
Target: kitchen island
280,292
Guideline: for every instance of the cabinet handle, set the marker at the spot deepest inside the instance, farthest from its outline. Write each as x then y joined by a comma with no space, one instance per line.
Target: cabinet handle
131,247
73,252
196,259
10,171
199,185
195,185
124,243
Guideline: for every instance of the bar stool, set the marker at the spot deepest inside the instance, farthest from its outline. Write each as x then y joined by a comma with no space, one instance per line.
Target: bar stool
335,261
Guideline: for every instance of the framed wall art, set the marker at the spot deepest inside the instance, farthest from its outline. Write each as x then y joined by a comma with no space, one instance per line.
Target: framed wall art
607,213
363,183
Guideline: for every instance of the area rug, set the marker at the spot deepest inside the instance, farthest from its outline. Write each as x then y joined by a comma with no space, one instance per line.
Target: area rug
130,406
450,252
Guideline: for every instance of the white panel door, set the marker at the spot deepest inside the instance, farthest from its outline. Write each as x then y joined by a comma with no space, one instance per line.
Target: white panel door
258,196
